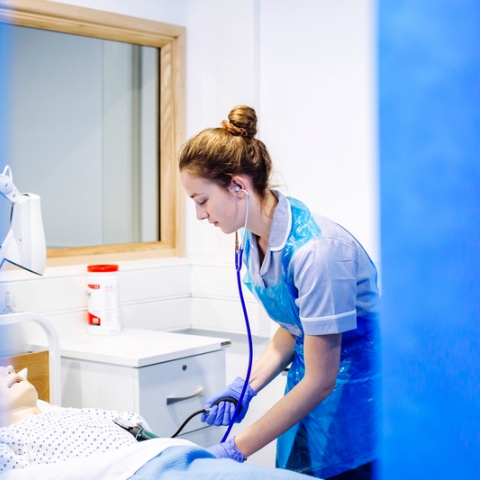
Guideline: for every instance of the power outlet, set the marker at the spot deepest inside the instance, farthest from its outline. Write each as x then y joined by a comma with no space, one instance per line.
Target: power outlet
10,304
13,297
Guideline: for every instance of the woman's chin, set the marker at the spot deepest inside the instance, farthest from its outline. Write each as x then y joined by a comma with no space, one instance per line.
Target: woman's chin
225,230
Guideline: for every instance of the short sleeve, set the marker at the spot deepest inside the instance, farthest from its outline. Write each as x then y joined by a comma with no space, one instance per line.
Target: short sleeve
324,273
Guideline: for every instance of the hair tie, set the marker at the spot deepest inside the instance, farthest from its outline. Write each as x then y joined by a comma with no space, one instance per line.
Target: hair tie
234,130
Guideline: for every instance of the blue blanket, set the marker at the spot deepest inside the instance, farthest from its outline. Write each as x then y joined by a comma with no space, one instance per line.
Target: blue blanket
185,463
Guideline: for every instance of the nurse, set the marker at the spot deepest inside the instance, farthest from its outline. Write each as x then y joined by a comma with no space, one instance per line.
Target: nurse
319,284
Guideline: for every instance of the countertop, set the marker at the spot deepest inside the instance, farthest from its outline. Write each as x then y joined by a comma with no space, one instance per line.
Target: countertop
138,348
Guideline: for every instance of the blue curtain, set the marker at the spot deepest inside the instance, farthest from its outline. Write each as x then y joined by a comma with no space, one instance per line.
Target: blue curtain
429,117
5,61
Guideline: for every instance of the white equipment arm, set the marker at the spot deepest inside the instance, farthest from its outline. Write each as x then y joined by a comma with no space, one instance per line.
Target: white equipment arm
24,244
7,187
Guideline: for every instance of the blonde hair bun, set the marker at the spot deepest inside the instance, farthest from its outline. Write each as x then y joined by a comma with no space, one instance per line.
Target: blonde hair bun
242,122
218,154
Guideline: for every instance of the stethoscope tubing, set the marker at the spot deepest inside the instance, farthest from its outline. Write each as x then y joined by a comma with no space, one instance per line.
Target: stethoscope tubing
238,267
139,435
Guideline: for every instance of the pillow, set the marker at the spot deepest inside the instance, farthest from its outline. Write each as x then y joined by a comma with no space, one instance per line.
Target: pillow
45,406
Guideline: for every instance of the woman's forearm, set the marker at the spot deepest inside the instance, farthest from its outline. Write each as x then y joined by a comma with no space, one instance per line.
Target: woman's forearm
283,415
322,359
276,356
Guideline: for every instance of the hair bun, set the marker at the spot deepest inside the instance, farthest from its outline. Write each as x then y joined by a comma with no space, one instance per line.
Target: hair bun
242,122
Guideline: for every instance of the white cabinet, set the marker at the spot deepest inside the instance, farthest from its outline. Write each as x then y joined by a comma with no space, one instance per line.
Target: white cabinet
163,376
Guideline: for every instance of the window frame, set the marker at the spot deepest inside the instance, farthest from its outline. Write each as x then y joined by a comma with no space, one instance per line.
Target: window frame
170,40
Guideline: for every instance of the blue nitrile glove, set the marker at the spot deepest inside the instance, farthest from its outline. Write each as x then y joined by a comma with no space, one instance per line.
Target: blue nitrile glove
222,413
227,450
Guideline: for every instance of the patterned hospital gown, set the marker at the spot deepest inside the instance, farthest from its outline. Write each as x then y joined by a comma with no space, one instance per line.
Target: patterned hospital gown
63,434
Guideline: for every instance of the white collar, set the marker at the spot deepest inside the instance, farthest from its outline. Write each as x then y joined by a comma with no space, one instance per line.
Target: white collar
281,223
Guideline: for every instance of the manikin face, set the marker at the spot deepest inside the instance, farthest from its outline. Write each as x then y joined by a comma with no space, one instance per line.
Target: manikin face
220,206
15,392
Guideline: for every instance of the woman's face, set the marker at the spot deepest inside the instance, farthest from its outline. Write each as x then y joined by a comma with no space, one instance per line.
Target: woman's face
220,206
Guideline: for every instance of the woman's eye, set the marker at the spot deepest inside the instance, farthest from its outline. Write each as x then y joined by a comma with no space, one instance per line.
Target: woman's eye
202,202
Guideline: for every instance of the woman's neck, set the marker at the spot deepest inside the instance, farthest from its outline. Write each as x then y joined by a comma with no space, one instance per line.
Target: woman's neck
262,221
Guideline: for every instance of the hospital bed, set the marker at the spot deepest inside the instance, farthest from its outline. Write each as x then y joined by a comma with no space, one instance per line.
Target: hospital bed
160,458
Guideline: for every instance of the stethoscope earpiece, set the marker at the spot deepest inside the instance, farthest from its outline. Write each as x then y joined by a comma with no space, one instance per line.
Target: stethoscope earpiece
239,245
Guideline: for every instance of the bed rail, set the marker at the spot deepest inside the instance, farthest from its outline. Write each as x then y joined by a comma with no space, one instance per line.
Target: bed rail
53,351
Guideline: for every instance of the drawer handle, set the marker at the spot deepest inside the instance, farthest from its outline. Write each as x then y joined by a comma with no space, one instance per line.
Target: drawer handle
198,393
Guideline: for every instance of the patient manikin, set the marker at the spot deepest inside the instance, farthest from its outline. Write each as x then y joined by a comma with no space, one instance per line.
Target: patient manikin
54,443
29,436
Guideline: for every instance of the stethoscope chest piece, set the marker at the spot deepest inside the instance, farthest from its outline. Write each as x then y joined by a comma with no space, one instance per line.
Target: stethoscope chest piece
137,430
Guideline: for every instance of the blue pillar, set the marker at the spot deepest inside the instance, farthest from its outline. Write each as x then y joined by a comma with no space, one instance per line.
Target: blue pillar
5,61
3,139
429,117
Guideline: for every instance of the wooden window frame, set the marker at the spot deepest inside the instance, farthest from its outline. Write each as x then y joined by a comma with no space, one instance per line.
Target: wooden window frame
170,39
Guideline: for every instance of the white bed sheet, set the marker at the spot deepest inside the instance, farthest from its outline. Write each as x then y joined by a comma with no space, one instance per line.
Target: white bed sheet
115,465
118,464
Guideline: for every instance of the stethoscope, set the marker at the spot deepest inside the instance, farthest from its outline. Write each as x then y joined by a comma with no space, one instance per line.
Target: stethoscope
137,430
238,267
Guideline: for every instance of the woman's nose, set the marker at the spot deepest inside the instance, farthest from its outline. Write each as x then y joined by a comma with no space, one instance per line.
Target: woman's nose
201,213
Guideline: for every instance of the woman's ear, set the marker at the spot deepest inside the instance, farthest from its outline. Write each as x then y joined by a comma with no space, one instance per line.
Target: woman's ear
238,184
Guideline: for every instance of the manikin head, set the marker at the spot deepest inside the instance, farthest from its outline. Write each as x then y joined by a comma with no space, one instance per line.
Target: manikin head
18,397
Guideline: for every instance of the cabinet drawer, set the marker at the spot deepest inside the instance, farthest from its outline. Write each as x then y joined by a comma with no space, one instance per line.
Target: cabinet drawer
170,392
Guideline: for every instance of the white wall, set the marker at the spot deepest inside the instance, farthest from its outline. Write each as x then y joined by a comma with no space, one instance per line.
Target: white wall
317,107
220,74
308,68
168,11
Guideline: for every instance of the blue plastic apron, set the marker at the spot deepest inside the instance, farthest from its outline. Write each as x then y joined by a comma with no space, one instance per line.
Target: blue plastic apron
339,434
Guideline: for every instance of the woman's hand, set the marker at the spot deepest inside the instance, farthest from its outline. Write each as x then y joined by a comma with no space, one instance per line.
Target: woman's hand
227,450
221,413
